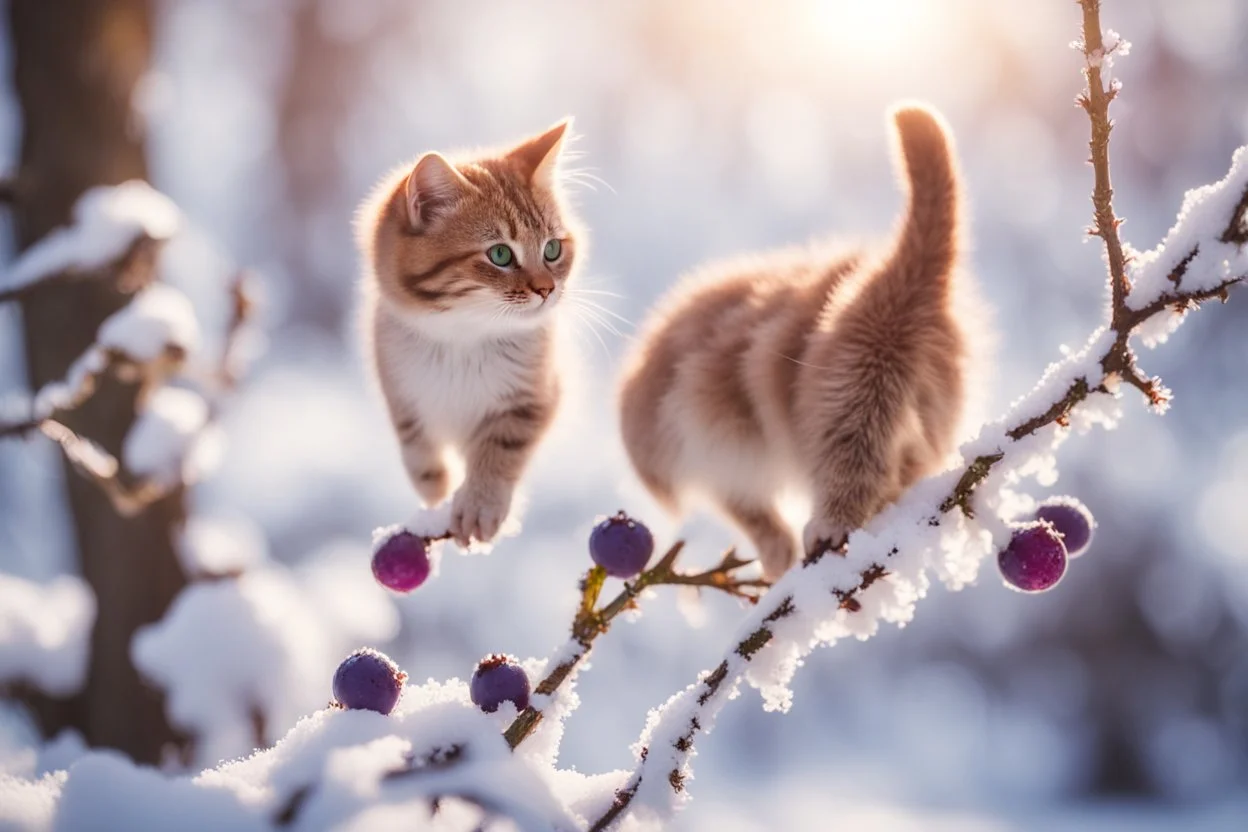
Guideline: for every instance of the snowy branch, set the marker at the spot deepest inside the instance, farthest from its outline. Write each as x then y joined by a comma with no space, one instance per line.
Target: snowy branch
591,622
116,230
883,571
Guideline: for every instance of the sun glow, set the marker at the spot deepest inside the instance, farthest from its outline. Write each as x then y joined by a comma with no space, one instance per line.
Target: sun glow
876,28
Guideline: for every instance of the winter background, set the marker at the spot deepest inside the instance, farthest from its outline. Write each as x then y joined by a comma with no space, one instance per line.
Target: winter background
1120,700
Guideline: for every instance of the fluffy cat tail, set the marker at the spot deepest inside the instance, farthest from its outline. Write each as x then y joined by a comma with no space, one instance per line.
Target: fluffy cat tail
927,246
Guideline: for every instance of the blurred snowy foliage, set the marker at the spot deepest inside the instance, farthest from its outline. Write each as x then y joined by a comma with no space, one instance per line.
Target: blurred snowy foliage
720,130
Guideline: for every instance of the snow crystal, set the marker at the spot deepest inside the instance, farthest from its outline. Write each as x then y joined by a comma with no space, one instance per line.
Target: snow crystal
1193,244
161,440
29,805
155,320
106,222
45,632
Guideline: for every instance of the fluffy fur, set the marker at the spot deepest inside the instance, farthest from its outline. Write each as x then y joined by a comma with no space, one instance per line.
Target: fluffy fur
840,373
463,346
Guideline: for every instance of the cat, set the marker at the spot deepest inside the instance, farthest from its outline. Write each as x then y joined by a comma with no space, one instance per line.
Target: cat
839,372
466,262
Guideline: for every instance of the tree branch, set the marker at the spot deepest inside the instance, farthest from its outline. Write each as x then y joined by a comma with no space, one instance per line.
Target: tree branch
1095,100
102,468
591,622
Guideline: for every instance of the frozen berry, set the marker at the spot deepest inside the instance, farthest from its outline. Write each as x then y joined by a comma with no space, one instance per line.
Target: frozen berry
499,679
401,561
1071,519
621,546
368,680
1035,559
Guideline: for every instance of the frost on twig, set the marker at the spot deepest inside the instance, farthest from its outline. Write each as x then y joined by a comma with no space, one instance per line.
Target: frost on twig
948,523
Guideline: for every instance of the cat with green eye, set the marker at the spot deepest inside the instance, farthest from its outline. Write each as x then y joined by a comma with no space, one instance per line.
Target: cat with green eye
502,256
468,263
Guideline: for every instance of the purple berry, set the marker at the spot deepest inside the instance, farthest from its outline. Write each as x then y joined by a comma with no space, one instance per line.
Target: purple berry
368,680
401,561
621,546
1071,519
1035,559
496,680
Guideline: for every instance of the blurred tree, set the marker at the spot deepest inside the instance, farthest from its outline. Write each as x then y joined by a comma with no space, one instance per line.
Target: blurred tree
323,80
76,72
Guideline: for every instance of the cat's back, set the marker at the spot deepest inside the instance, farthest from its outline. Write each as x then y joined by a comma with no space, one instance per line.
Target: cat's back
715,363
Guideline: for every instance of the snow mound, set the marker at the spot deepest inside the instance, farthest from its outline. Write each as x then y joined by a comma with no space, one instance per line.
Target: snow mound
155,320
161,445
45,631
248,655
436,762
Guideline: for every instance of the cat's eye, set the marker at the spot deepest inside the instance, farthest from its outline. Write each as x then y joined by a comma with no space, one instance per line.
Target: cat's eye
552,251
500,255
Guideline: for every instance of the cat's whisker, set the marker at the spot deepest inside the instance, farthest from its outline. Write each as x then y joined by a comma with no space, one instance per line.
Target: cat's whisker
586,177
590,326
590,314
581,290
605,310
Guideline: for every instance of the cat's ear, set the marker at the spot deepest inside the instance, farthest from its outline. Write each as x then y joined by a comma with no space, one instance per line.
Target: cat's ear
538,157
432,187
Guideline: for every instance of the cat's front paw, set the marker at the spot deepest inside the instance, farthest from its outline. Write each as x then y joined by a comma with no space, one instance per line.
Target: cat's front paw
823,535
477,513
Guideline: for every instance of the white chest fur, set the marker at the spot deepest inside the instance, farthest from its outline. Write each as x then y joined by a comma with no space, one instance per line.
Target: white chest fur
450,386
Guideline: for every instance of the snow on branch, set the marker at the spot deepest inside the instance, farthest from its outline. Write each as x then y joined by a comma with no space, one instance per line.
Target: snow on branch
950,522
173,440
149,338
591,621
111,225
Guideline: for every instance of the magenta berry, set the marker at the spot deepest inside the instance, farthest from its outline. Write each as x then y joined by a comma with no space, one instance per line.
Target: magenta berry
368,680
621,546
401,561
496,680
1035,559
1071,519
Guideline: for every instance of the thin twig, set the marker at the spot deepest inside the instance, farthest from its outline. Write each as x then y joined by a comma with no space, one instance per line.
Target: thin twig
591,622
1095,100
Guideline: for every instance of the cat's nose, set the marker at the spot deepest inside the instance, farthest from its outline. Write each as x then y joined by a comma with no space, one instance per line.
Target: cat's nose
542,285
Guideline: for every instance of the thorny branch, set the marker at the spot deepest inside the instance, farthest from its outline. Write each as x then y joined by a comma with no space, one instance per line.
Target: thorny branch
1117,362
591,621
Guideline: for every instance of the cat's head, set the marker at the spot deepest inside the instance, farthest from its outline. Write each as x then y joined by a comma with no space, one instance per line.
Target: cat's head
485,243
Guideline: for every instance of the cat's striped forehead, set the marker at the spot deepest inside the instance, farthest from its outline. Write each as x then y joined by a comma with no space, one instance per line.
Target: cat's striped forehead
504,201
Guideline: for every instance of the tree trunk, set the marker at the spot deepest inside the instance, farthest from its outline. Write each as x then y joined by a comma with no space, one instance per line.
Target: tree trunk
75,68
